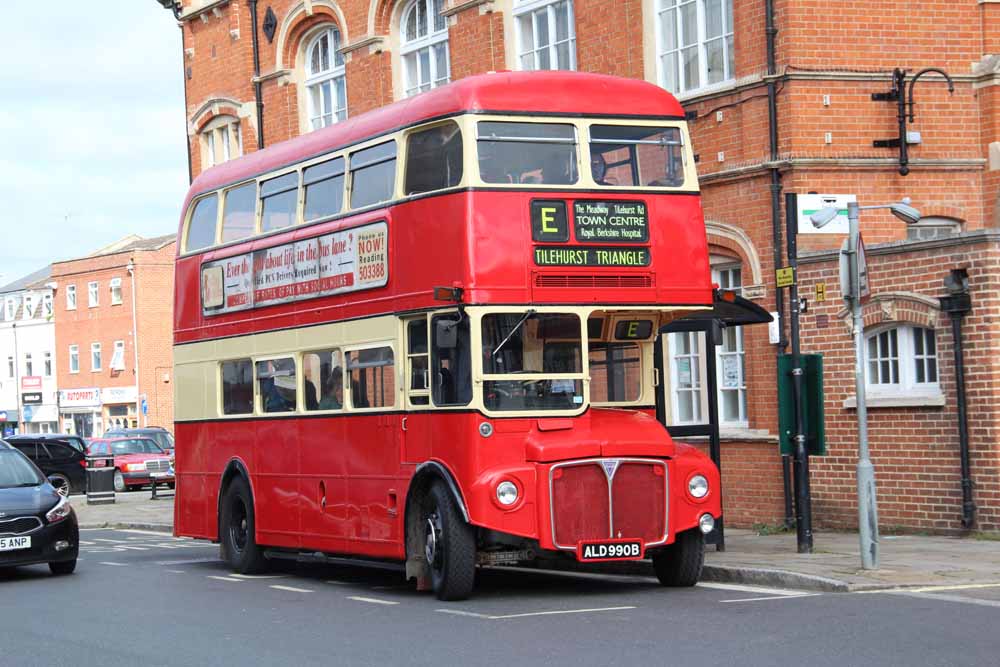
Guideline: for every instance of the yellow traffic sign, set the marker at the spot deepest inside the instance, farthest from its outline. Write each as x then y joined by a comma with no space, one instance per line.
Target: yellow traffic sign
820,292
785,277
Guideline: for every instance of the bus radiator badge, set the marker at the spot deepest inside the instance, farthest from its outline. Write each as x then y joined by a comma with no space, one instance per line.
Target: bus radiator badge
610,467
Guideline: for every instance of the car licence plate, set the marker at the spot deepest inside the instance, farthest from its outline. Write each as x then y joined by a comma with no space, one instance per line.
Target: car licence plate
12,543
599,550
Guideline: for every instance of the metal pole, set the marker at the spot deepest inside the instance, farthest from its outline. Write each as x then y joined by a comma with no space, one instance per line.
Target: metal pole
803,501
135,346
867,505
17,379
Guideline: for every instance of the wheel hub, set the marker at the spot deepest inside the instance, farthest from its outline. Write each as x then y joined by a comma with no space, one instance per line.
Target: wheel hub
431,537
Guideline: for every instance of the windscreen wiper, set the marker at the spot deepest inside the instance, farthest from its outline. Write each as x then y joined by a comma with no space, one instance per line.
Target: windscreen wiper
513,331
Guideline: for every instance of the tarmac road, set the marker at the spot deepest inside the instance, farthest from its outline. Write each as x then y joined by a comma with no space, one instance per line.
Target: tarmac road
142,598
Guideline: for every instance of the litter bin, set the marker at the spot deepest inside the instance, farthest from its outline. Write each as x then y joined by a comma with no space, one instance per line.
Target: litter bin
100,480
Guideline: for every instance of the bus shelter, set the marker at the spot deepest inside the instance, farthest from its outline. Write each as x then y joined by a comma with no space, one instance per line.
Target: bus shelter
729,310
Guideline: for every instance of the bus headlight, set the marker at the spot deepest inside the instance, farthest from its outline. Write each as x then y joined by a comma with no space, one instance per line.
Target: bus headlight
698,486
507,493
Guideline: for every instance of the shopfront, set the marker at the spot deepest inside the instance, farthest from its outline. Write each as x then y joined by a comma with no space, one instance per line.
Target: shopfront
80,411
119,407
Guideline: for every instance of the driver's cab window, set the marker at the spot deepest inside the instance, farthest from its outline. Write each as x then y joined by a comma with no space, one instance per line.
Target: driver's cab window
545,348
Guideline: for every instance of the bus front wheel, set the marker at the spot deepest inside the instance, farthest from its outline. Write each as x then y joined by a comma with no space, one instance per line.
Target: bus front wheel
680,563
449,545
239,549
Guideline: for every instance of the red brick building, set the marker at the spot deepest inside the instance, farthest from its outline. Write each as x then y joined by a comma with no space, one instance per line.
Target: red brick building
735,65
95,336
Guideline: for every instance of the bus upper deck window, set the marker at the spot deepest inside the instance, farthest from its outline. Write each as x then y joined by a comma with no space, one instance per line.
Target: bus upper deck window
324,183
238,212
201,228
636,156
434,158
373,174
516,153
279,199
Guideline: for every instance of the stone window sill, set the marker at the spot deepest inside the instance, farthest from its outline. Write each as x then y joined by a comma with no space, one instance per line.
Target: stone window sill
930,400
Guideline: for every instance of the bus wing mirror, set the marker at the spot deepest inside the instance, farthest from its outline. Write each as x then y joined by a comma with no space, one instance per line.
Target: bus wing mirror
446,334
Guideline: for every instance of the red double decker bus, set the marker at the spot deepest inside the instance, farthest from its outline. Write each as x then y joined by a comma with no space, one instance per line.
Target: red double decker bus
425,335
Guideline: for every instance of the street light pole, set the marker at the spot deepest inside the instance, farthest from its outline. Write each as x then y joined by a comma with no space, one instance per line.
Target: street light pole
867,504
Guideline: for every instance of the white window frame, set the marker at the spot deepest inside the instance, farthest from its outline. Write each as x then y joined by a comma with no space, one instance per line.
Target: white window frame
669,11
47,361
118,356
533,10
115,285
221,140
315,81
29,364
95,356
10,367
433,40
10,307
906,384
47,305
29,307
74,359
93,294
70,297
730,277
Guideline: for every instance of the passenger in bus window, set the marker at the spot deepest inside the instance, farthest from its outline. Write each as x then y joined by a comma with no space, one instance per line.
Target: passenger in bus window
333,391
599,169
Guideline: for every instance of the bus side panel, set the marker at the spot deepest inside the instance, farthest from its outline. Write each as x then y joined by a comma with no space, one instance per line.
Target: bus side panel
323,484
195,506
276,481
374,476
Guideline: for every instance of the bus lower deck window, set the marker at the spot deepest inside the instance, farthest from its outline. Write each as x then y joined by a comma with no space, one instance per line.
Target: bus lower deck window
237,387
276,385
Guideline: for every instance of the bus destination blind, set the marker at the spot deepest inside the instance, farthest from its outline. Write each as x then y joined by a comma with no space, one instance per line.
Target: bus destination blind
345,261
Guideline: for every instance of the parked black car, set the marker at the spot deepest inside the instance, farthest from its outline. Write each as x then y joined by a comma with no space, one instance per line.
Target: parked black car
161,436
56,456
37,523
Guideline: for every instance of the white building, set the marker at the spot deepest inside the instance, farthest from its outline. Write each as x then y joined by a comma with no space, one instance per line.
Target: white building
28,393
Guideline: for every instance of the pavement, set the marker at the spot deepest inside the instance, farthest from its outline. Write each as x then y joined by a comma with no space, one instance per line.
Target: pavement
905,561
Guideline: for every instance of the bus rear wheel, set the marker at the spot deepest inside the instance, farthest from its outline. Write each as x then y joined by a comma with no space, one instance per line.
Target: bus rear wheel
680,563
236,530
449,545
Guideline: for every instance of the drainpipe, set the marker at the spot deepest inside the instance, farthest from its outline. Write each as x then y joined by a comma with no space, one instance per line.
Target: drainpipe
258,96
957,305
779,296
130,267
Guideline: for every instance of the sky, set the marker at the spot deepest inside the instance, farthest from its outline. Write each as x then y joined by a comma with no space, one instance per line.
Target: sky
92,128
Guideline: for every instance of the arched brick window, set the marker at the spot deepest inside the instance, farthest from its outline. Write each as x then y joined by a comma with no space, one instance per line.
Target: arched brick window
694,43
423,46
326,84
546,34
221,140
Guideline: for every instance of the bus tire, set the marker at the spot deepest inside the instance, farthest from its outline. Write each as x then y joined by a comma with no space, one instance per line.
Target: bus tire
449,545
679,564
236,530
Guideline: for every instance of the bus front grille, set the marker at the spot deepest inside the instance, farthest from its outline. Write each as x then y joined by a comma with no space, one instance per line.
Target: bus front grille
608,498
585,281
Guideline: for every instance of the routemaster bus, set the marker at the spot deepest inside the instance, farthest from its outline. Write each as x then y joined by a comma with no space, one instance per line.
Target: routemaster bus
424,335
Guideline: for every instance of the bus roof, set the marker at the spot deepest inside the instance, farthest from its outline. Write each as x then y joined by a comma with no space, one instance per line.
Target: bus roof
548,92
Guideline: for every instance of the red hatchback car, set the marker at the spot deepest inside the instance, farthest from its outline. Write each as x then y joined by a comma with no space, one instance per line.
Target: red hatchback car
137,460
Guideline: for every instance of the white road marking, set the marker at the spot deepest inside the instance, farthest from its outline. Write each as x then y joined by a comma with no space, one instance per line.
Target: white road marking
775,597
218,578
750,589
336,583
189,561
115,564
104,539
176,571
291,588
496,617
954,587
158,533
372,600
86,543
258,576
132,547
948,598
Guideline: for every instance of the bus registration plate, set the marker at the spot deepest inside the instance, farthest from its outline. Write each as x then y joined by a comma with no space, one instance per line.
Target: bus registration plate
600,550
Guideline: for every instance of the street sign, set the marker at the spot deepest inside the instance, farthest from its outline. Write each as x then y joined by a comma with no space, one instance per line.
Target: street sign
820,292
31,398
847,287
809,204
785,277
145,407
27,413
